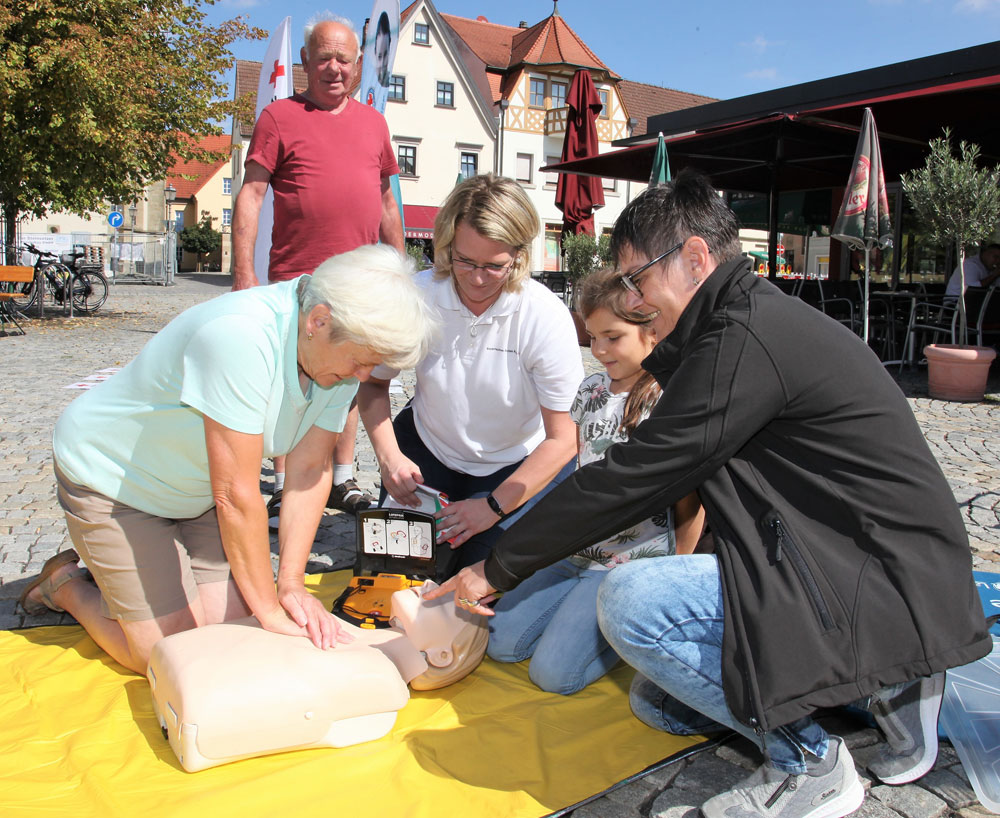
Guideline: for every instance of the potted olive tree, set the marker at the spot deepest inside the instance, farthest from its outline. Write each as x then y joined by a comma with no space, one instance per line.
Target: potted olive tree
958,203
582,255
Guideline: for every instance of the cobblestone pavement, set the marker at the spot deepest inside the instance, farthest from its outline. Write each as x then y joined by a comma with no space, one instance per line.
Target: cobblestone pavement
58,352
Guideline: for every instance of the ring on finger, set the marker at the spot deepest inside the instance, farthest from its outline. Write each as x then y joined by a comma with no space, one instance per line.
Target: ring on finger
464,601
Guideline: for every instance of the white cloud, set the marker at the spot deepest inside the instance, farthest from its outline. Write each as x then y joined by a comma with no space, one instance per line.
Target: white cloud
759,44
762,74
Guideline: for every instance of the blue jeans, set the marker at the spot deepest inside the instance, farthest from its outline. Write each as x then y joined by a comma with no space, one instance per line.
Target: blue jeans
459,486
665,617
552,617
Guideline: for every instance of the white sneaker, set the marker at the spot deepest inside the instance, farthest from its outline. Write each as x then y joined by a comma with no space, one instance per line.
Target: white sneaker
909,722
829,789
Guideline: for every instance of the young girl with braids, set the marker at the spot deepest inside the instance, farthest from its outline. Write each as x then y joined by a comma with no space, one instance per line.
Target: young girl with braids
552,616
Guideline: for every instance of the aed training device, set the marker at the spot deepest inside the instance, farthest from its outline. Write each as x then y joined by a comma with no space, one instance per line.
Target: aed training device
396,549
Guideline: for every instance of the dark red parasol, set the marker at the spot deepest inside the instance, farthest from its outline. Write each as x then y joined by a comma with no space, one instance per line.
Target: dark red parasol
578,196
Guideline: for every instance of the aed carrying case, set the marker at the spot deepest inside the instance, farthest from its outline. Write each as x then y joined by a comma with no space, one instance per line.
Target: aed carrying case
396,549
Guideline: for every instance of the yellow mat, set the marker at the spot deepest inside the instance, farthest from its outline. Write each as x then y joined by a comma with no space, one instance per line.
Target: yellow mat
78,737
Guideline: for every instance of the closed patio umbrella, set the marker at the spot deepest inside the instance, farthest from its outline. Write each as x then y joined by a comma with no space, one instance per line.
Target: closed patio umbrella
578,196
863,222
660,173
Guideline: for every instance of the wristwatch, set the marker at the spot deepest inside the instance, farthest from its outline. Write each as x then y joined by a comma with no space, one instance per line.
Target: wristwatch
491,501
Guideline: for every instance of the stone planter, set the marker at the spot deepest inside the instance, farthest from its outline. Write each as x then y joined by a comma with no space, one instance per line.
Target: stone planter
956,372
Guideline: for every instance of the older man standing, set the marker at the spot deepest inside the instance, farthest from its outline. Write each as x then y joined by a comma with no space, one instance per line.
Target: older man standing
328,160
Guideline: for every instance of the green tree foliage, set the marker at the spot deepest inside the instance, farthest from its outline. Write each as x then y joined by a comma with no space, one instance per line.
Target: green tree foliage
100,95
201,239
584,253
955,200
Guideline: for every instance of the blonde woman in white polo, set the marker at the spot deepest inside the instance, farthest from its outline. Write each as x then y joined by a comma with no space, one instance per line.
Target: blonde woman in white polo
489,422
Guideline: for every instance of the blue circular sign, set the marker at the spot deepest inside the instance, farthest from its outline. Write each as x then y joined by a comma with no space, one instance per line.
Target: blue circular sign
115,218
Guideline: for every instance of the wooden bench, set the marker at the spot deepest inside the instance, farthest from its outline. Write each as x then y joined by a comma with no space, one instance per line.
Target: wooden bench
12,275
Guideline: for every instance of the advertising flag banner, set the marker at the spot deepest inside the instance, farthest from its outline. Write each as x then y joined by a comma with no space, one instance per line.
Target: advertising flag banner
275,83
381,40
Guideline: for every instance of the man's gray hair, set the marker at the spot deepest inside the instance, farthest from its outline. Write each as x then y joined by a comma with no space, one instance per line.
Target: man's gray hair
374,302
329,17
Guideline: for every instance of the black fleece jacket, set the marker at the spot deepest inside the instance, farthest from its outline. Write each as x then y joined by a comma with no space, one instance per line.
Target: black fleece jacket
845,563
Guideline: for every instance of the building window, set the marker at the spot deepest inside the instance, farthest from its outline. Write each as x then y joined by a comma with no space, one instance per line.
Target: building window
536,94
559,94
551,178
406,158
227,186
227,215
610,185
446,94
604,102
397,88
421,34
523,170
470,164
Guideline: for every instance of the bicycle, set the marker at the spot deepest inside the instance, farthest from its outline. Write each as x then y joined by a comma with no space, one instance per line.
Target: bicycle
89,287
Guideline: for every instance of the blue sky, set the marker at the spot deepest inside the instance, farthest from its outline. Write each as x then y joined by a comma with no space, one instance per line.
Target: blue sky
720,49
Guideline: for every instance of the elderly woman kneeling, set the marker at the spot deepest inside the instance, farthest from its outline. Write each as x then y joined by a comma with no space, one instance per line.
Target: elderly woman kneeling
158,468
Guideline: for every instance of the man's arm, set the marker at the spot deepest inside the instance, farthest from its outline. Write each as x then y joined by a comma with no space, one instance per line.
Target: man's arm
247,212
390,230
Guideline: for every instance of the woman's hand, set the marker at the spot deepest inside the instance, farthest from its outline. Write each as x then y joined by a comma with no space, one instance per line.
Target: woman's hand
472,591
400,477
459,521
307,615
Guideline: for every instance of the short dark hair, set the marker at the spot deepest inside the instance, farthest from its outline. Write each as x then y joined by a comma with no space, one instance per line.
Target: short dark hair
662,216
383,25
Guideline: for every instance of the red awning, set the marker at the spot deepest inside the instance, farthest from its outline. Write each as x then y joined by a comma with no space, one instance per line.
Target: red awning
418,221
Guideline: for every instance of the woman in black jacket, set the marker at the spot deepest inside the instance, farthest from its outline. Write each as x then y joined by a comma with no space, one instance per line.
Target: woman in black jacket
842,567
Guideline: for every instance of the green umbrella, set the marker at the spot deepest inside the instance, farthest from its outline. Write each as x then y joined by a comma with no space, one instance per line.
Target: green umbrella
660,174
864,216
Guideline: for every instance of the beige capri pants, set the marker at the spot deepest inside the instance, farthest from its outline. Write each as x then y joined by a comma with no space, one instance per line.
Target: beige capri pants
145,566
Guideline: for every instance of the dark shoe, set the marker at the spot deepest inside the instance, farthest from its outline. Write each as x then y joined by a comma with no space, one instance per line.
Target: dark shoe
349,497
830,788
909,721
274,510
46,587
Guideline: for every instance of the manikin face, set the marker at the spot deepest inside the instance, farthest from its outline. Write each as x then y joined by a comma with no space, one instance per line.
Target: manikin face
620,345
330,64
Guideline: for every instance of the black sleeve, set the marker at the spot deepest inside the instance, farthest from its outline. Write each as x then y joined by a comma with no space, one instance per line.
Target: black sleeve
725,390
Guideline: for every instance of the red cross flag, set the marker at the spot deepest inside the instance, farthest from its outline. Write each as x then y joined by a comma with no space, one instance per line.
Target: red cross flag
275,83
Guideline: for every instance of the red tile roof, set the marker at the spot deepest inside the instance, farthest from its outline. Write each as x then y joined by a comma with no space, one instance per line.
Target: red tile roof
643,101
200,170
549,42
247,78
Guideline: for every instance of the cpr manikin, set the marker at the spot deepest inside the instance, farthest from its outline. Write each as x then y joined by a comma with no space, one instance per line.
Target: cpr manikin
232,691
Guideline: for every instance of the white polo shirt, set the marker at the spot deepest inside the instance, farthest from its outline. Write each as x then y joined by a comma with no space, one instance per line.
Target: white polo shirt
481,387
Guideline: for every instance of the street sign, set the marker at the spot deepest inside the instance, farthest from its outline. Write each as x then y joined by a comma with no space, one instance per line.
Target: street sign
115,218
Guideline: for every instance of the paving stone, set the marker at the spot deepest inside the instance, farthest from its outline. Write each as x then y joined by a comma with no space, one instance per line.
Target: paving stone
910,801
605,808
873,808
952,789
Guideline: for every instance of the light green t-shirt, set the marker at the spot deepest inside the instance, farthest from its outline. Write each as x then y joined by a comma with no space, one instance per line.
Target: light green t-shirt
139,436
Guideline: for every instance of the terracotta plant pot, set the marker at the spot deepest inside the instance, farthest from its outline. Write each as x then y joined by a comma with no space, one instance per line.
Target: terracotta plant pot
956,372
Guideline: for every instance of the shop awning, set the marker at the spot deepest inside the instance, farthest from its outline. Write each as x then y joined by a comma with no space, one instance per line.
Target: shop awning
418,221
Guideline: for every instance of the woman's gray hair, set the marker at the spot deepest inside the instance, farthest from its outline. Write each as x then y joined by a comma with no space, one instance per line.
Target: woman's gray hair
374,302
329,17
